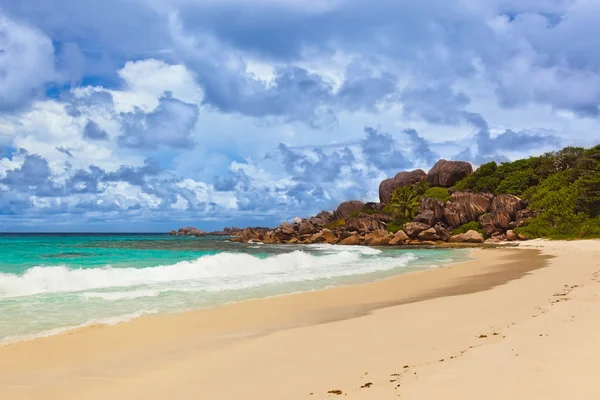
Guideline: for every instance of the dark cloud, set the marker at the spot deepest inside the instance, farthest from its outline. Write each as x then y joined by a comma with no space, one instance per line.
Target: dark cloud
491,148
438,105
94,132
421,149
380,151
169,125
32,177
66,151
314,165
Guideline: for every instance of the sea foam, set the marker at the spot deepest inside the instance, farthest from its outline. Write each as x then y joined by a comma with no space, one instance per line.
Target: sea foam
211,273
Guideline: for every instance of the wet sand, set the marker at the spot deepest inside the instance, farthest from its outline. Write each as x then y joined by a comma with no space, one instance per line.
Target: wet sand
305,345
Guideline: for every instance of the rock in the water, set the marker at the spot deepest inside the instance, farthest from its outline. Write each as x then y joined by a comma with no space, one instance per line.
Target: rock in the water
306,228
325,236
400,180
173,233
412,229
344,210
247,235
428,234
350,241
469,237
464,207
399,238
447,173
190,231
378,238
284,232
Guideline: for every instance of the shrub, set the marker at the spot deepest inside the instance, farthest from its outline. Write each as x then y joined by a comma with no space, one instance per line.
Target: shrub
338,223
473,225
439,193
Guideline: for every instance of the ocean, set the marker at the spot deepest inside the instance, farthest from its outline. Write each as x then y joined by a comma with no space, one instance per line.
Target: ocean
50,283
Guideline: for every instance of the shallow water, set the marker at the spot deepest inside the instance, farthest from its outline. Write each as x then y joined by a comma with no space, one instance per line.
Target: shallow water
50,283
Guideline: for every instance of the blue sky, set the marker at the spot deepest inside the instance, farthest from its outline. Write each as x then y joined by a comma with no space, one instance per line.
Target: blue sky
147,115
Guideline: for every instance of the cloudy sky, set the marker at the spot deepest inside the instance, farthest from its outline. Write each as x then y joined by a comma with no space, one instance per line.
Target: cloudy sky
147,115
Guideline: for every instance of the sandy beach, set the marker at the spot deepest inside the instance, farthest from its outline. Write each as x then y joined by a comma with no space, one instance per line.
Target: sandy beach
516,323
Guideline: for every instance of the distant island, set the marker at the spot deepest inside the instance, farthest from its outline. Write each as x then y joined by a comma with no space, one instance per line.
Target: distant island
555,195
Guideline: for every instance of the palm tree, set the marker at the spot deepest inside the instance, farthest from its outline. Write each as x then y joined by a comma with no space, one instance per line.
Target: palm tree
404,203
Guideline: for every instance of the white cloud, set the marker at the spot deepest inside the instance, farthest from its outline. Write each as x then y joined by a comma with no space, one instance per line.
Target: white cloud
26,63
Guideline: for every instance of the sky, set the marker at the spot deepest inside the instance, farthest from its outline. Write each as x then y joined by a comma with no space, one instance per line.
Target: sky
149,115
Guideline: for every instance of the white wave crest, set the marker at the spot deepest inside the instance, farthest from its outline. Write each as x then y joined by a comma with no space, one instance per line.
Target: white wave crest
224,271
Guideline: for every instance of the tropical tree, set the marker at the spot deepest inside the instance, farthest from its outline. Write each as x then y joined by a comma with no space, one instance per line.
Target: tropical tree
403,205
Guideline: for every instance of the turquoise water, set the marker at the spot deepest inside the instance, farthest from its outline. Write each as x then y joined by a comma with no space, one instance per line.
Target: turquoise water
50,283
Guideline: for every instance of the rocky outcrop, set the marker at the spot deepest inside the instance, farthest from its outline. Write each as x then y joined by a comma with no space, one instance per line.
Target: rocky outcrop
412,229
504,209
447,173
306,228
321,219
469,237
429,234
374,206
352,240
344,210
399,238
284,232
512,204
464,207
442,232
190,231
324,236
435,205
247,235
364,223
173,233
400,180
378,238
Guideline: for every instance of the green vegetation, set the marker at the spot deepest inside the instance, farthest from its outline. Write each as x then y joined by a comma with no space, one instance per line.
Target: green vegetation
355,214
564,185
473,225
338,223
439,193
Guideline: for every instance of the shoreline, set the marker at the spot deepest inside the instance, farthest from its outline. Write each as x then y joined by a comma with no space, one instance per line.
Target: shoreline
144,357
127,318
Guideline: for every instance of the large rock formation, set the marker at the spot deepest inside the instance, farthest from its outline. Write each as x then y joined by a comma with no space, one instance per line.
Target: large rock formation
400,180
464,207
344,210
431,211
523,217
504,209
446,173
